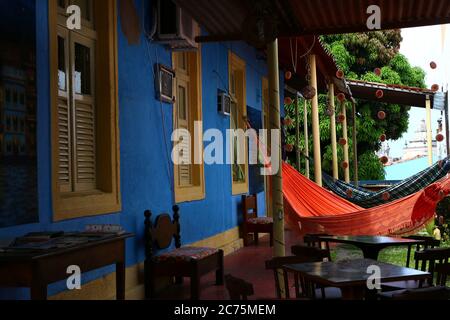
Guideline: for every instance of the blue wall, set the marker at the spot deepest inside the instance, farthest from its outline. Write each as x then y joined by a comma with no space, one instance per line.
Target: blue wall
146,173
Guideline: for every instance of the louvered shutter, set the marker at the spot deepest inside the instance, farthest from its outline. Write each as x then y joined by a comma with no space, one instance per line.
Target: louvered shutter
184,170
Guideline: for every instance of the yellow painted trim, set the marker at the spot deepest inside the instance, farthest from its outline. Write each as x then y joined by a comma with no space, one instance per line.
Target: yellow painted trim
236,63
69,206
229,241
196,192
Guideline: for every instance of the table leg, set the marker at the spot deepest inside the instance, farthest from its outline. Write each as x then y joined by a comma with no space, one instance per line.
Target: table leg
120,280
370,253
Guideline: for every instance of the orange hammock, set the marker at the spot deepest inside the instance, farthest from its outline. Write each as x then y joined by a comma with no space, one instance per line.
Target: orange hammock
313,209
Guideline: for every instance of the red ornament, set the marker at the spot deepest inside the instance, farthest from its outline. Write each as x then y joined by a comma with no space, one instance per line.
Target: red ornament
381,115
340,74
384,159
439,137
385,196
433,65
435,87
341,97
288,75
288,100
383,138
379,93
342,141
289,147
377,71
349,193
340,118
344,164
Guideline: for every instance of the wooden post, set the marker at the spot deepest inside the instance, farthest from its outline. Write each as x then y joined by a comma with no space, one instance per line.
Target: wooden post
333,131
297,131
429,132
305,124
315,122
355,146
447,133
277,178
345,136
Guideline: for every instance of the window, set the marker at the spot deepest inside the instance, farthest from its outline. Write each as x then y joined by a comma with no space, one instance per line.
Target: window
237,88
84,109
189,178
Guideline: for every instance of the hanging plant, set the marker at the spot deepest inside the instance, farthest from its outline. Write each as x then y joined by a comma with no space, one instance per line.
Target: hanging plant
439,137
433,65
340,118
381,115
379,94
384,159
377,71
288,75
341,97
342,141
383,138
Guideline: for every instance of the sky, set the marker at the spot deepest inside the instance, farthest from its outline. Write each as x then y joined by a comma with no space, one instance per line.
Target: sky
421,46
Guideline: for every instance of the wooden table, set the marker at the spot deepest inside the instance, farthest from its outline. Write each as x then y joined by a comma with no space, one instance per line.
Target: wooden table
371,245
351,275
37,270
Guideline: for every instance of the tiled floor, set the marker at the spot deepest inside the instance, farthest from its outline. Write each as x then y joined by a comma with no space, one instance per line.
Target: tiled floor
246,263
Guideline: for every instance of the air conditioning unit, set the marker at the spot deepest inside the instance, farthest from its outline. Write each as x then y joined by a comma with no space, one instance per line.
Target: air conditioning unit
175,27
224,103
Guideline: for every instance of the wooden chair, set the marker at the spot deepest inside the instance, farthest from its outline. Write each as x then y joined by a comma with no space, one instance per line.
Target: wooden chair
425,261
302,287
313,240
238,289
430,293
442,273
252,223
315,253
192,262
429,242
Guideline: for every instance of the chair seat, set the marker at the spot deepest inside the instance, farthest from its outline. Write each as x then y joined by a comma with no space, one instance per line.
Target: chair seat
260,220
186,254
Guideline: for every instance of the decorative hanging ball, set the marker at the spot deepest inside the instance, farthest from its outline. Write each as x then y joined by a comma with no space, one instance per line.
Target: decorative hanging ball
433,65
340,74
288,122
439,137
383,138
308,92
288,100
340,118
377,71
379,93
341,97
385,196
289,147
435,87
381,115
288,75
349,193
384,159
342,141
344,164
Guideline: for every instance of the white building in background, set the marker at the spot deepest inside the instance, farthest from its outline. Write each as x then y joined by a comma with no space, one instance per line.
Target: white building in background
417,146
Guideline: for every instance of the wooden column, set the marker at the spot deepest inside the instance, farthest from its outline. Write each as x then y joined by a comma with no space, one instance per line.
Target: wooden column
297,131
305,124
355,146
345,136
333,131
429,130
277,182
315,122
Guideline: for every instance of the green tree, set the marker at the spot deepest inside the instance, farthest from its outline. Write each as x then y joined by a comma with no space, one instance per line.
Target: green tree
358,55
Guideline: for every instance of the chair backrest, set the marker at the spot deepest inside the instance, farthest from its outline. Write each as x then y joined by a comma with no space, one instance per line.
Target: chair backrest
427,259
429,242
161,233
313,240
430,293
249,206
276,264
310,252
442,273
238,289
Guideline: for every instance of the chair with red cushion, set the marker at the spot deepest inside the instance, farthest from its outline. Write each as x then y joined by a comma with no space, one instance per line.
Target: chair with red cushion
192,262
252,223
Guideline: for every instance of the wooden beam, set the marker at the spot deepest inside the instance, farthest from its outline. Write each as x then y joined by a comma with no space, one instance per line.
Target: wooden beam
333,131
305,128
355,146
315,122
345,136
429,131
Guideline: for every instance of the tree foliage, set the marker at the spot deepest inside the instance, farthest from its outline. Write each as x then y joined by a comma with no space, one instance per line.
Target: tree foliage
358,55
